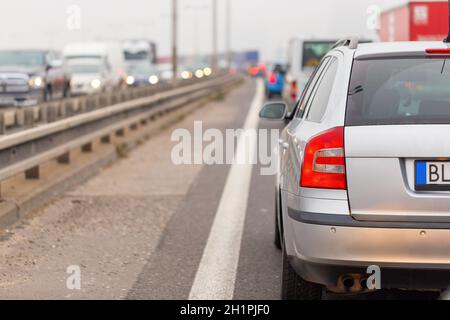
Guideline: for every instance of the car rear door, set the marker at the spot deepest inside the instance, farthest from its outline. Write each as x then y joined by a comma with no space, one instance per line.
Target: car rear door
397,140
289,143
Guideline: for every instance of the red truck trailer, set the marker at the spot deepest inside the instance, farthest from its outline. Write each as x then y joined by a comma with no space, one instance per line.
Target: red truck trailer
416,21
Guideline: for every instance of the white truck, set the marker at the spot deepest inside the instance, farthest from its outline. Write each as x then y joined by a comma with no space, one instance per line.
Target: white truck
303,57
109,58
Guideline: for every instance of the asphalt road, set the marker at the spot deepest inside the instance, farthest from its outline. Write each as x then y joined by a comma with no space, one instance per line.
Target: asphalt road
138,230
146,228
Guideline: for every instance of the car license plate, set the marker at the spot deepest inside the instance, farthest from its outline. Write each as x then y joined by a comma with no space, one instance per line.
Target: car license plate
432,175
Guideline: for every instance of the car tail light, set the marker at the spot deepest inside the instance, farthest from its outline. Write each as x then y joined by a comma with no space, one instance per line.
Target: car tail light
272,78
324,161
294,90
445,51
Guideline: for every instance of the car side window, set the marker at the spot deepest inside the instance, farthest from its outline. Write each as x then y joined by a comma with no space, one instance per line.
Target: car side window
319,102
303,102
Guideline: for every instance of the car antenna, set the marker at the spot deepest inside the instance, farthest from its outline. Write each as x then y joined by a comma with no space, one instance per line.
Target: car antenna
447,40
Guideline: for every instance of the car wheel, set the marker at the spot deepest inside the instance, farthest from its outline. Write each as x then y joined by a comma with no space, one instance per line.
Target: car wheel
47,94
293,287
67,91
277,240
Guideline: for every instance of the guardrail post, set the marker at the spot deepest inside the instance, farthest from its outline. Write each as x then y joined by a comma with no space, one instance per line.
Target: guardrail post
33,173
63,110
64,158
29,118
20,117
52,113
102,101
82,105
89,104
2,123
87,147
120,133
105,139
43,113
69,108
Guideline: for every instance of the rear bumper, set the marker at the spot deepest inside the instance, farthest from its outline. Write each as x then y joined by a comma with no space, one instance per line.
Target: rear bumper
324,247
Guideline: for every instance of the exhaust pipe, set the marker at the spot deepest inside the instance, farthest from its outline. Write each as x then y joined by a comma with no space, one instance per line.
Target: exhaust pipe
363,283
348,282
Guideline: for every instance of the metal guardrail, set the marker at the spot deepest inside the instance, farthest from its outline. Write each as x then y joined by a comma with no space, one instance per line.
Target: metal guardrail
23,117
25,150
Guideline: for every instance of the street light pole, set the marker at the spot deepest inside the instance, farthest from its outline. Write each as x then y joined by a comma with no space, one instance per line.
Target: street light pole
214,35
174,40
228,40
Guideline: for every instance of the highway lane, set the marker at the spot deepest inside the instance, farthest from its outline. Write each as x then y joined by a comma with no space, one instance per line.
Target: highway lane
141,228
138,229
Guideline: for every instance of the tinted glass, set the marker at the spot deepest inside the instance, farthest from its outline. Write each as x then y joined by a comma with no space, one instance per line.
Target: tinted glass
309,89
399,91
22,58
314,51
322,97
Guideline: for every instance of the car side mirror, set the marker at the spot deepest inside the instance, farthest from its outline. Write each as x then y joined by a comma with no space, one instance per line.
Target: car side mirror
274,111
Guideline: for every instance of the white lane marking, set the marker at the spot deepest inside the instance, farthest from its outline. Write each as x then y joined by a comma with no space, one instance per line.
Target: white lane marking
216,275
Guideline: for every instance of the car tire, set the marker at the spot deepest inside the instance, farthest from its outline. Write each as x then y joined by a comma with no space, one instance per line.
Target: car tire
277,239
67,91
48,94
293,287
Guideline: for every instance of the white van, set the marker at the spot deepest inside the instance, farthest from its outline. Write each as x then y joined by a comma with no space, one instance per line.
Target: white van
109,55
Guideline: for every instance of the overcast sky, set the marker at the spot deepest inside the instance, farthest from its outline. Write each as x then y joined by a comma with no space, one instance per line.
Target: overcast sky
266,25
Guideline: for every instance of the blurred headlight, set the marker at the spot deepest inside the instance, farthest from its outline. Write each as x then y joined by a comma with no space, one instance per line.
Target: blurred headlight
36,82
96,84
207,71
153,79
186,75
130,80
199,73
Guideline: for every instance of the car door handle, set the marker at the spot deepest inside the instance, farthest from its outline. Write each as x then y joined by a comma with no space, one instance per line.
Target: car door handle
283,144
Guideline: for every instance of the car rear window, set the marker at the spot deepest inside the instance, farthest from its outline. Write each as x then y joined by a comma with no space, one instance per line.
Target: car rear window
399,91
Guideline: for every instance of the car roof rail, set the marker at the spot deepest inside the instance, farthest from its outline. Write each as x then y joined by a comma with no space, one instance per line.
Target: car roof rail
350,42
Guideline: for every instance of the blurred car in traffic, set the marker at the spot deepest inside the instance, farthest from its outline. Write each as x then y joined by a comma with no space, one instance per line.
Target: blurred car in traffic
275,80
186,72
166,71
257,70
32,76
109,56
202,70
142,74
139,51
364,172
90,76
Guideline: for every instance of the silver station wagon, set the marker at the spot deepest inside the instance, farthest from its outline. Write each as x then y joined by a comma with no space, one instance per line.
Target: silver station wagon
363,190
